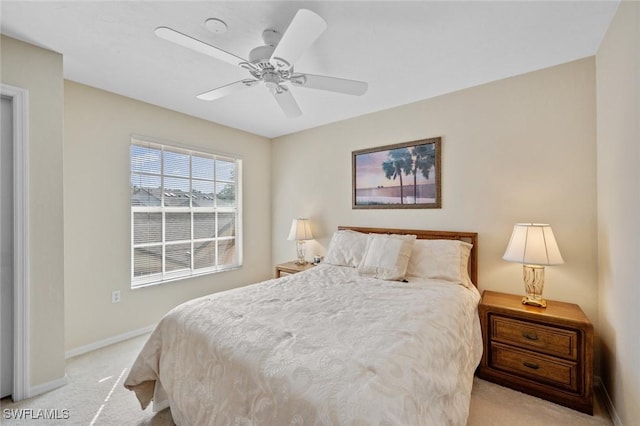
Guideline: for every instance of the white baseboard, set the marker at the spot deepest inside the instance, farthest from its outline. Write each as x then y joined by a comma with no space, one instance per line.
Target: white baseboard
606,400
106,342
46,387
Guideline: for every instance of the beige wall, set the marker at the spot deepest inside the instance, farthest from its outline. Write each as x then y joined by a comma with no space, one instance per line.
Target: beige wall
98,127
519,149
618,94
40,72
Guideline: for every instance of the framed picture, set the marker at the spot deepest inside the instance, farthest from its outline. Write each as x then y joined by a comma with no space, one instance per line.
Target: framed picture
400,176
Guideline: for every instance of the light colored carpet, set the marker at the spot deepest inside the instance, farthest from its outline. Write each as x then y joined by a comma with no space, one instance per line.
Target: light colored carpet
95,396
493,405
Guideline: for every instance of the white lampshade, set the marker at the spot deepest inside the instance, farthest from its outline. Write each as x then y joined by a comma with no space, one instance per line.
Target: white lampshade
300,230
533,244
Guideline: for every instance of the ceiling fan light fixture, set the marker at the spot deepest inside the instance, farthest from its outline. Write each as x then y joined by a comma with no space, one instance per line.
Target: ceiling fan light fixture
271,80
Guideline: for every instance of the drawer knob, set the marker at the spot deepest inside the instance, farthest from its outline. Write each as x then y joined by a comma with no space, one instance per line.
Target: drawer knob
530,336
531,365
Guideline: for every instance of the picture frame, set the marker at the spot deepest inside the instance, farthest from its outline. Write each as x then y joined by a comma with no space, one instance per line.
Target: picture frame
405,175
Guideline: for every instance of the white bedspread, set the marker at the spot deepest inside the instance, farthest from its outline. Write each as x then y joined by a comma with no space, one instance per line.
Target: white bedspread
323,347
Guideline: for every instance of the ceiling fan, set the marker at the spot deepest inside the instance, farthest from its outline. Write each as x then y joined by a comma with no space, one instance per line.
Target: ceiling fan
272,64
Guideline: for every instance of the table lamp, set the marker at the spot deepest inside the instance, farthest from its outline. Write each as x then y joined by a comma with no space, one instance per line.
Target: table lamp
300,232
533,245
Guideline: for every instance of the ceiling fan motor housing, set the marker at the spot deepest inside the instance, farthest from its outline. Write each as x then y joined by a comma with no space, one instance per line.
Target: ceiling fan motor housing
271,37
261,54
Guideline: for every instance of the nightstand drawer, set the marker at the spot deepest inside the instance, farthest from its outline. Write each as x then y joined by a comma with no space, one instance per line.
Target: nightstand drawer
555,372
549,340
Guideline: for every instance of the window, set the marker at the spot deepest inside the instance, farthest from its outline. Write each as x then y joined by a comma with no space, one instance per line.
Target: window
185,213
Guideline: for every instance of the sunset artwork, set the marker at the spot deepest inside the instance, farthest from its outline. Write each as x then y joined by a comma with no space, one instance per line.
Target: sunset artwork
405,175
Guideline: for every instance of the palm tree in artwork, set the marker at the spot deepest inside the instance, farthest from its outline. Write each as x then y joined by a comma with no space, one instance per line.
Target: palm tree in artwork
399,161
425,158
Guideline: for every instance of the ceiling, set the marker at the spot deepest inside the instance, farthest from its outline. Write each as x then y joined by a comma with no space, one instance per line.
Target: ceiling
406,51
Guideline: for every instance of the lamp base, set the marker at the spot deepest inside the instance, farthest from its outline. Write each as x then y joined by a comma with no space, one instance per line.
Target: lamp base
300,252
533,285
540,303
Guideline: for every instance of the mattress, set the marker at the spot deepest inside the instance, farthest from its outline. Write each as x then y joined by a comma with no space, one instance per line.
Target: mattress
325,346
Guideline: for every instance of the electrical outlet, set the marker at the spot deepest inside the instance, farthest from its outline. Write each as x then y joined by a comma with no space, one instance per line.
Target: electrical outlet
115,296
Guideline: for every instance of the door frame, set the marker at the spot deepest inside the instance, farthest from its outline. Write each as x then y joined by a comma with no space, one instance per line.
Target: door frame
21,287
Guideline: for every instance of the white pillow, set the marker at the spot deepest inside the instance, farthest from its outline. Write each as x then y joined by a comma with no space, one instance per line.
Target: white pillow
386,256
441,259
346,248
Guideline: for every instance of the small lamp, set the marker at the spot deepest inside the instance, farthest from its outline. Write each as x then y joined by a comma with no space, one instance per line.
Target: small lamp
300,232
533,245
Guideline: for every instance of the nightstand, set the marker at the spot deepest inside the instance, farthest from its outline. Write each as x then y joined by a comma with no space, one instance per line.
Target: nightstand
291,268
547,353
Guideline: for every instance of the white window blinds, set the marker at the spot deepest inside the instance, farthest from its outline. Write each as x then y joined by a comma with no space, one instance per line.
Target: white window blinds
185,213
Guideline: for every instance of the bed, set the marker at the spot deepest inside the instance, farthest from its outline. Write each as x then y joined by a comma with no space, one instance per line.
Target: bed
356,340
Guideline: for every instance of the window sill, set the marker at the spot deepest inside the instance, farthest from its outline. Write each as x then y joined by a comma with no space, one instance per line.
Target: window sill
144,284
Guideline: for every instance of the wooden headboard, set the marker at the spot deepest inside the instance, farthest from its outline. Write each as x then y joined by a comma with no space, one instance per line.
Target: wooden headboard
469,237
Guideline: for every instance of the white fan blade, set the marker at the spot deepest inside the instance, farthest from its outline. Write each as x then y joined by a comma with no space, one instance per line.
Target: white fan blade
304,29
197,45
332,84
220,92
287,102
